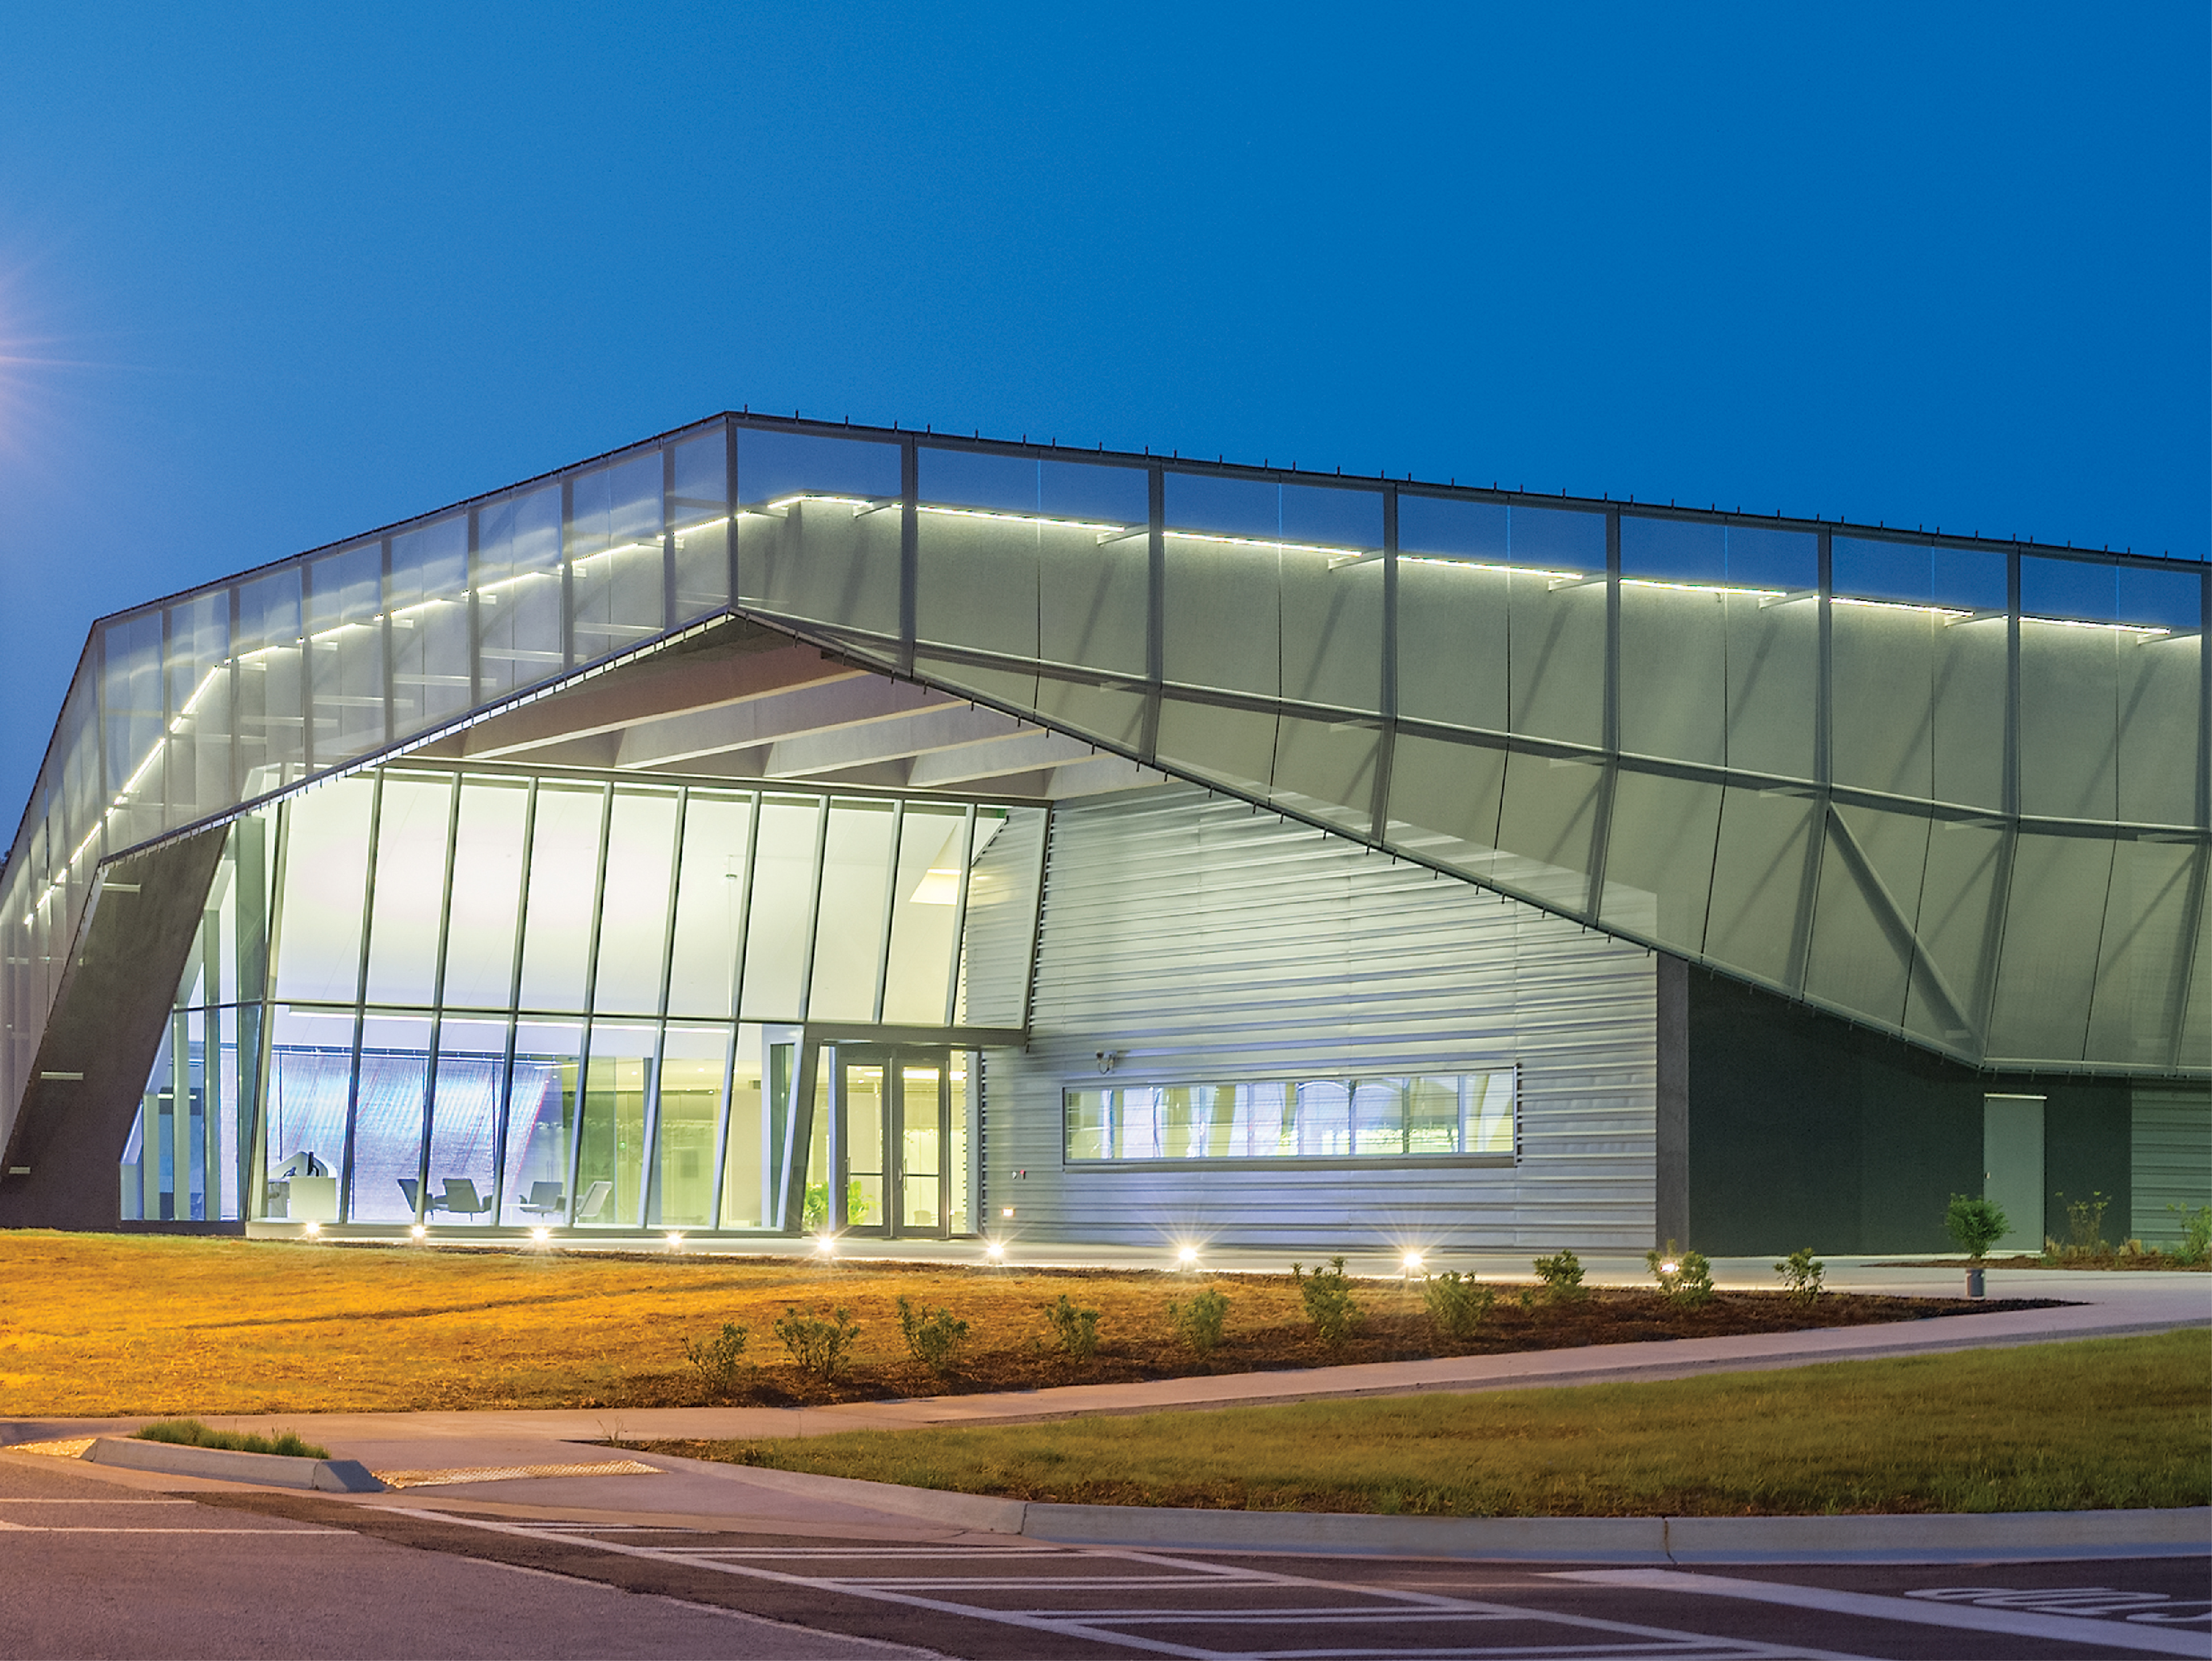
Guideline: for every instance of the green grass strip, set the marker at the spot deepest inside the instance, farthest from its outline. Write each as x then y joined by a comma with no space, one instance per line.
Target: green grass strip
2089,1425
191,1433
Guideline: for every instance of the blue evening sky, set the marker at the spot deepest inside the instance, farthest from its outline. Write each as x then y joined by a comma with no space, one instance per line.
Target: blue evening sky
271,274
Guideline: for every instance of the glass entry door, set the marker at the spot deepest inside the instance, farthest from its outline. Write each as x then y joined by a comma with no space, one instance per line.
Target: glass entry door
892,1117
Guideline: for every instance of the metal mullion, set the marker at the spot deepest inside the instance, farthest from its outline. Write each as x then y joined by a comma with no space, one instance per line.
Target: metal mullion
1797,970
1601,825
514,1005
590,991
1993,932
1386,747
814,908
167,735
235,780
257,1156
1037,915
359,995
1156,580
384,629
649,1184
2194,966
746,910
909,550
567,574
438,1011
721,1155
960,914
730,506
475,582
667,540
890,908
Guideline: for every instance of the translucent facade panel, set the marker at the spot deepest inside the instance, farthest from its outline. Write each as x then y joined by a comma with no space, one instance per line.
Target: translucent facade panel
345,654
615,561
1659,858
634,911
1445,799
694,1065
1555,653
2069,719
383,1179
518,594
1758,873
777,931
2161,713
1113,714
325,888
270,714
807,544
1332,604
464,1159
542,1106
132,702
411,821
1452,666
1327,768
1005,861
1862,955
1214,740
1545,827
310,1077
849,929
925,908
699,516
1884,708
760,1106
1674,671
1958,906
1222,614
198,781
485,897
1773,683
428,618
1969,677
976,552
2143,956
2060,885
1093,595
710,906
619,1081
563,896
1964,581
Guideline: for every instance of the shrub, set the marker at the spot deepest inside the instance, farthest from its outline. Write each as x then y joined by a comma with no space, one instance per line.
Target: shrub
1976,1224
2085,1226
1801,1273
819,1346
191,1433
1562,1276
933,1337
717,1359
1684,1278
2196,1232
1197,1321
1328,1301
1074,1330
1456,1304
1528,1298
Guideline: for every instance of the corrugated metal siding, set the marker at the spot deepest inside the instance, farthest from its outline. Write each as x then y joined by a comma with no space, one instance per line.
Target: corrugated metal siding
2170,1131
1203,940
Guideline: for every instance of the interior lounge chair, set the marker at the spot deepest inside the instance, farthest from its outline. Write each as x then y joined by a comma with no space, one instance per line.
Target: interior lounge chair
594,1201
462,1200
545,1198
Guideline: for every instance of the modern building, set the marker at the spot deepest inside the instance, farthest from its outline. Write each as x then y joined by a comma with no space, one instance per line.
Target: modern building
776,827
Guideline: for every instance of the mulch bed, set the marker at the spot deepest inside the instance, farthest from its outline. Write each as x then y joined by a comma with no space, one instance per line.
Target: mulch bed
1394,1327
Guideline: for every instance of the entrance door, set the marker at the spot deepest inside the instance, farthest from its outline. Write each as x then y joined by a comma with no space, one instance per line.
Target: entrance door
2012,1166
892,1111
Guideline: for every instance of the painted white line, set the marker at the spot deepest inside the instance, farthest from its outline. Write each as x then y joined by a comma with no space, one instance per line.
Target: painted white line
2063,1629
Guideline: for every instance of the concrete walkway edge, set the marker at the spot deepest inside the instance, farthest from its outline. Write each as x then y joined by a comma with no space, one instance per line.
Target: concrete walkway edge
2030,1536
230,1465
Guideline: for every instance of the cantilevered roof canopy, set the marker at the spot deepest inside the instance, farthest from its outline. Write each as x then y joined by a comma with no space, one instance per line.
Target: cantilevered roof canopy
1956,790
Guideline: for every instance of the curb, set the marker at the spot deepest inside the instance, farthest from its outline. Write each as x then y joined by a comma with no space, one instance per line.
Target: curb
228,1464
2021,1536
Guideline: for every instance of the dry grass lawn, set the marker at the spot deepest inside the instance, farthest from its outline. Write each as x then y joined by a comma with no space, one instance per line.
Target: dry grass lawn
144,1324
2092,1425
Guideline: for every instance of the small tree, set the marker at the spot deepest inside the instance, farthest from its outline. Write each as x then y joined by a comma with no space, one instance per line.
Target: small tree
1684,1277
1976,1224
1456,1304
2195,1234
717,1359
1328,1301
1075,1331
933,1337
1801,1273
1198,1320
1562,1274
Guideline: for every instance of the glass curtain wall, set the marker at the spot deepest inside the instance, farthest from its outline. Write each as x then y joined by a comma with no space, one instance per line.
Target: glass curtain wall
1885,773
500,999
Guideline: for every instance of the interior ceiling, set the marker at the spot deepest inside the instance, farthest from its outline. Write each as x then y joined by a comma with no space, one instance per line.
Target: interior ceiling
745,702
